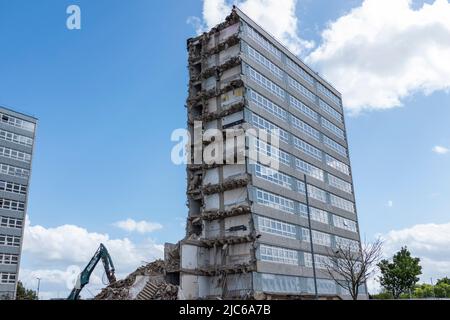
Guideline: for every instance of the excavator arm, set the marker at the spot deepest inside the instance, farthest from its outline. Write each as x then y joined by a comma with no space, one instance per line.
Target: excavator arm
83,278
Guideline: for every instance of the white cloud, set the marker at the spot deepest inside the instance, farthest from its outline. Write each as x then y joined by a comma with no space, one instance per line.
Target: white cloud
390,203
131,225
441,150
429,242
56,255
383,51
276,16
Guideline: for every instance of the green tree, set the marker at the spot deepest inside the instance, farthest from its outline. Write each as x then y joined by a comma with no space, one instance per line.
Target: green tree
25,294
445,280
400,275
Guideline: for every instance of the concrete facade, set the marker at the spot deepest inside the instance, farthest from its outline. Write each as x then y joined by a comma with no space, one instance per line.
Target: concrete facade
17,133
247,229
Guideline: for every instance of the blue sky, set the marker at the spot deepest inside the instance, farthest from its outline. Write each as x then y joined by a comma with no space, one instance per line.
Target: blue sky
108,97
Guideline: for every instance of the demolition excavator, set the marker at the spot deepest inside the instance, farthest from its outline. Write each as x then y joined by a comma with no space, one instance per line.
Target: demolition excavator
84,276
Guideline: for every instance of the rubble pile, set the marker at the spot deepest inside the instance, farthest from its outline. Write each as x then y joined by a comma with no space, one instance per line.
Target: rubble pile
148,282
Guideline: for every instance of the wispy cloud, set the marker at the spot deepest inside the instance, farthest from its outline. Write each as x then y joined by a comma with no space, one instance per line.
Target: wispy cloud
440,150
390,203
142,227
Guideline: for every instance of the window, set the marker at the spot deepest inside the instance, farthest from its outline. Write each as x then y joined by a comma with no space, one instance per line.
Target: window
345,243
272,152
322,262
14,171
9,259
275,201
7,222
309,169
302,89
14,154
332,128
16,138
7,278
343,204
279,255
307,148
300,71
273,176
256,36
328,93
266,83
330,111
13,187
335,146
325,286
270,127
268,105
305,128
345,224
10,241
319,238
277,227
301,187
339,184
12,205
15,122
303,108
269,65
317,193
317,215
303,209
338,165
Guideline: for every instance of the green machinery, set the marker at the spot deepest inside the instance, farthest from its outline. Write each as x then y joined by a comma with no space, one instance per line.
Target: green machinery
83,278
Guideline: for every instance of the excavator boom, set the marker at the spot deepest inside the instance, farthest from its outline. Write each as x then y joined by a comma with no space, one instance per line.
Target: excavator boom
83,278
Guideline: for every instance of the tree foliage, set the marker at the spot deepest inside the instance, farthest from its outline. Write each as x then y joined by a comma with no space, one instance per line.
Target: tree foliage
25,294
401,275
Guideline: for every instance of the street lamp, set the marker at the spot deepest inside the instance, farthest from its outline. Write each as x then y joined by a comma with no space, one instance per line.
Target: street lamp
38,287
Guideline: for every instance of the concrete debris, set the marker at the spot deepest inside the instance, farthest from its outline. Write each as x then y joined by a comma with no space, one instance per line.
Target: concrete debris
229,184
220,214
154,281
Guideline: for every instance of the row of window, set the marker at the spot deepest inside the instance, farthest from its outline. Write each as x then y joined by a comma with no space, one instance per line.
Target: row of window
327,92
317,194
12,205
8,222
14,154
16,138
308,94
335,146
333,129
266,83
330,110
13,187
291,257
9,259
262,123
305,128
279,112
301,165
16,122
299,71
269,65
304,166
288,230
275,201
14,171
267,150
261,40
10,241
7,278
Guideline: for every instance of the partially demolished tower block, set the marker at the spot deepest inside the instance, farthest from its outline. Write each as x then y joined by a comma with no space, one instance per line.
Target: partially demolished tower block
248,234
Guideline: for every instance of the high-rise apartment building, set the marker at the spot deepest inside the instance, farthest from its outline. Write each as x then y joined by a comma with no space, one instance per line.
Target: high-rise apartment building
16,148
248,232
